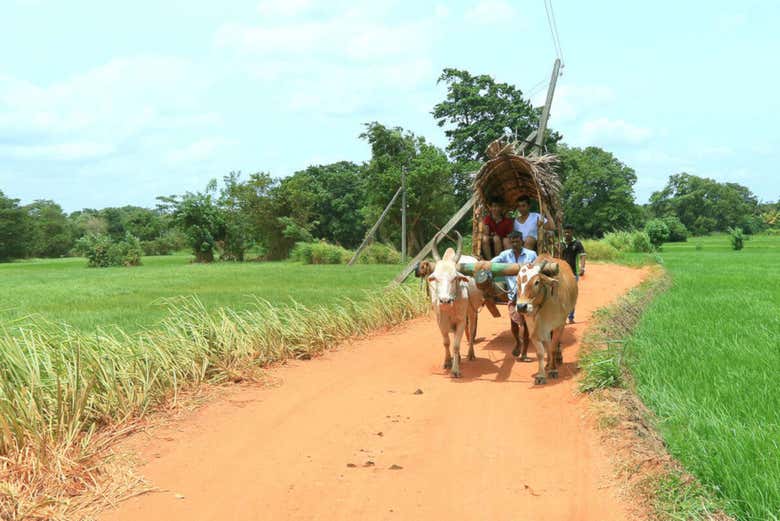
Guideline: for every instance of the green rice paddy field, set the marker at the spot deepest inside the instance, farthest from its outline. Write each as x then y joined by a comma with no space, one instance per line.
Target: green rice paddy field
65,290
706,360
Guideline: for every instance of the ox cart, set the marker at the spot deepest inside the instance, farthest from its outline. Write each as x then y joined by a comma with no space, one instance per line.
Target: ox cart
505,177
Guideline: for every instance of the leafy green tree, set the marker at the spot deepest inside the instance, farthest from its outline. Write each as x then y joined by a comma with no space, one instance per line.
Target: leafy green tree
431,198
144,223
704,205
51,233
597,192
478,110
199,216
239,234
14,229
657,231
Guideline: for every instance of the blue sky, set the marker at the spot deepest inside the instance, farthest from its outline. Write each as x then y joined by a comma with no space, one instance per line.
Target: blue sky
114,103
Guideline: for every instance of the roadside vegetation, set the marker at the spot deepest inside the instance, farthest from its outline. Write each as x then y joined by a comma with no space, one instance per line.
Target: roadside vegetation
703,358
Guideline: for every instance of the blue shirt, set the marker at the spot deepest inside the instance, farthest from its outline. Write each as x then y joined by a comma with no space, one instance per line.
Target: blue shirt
508,256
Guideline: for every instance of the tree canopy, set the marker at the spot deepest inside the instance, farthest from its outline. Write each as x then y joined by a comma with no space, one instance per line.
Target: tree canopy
478,110
597,191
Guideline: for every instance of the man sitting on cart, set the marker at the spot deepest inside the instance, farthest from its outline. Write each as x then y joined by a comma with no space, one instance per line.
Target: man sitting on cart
498,226
527,222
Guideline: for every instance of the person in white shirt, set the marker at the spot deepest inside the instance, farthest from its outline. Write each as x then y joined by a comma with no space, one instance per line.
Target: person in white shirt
516,255
527,222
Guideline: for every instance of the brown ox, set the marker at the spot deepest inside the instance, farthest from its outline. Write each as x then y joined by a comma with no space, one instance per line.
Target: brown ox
546,293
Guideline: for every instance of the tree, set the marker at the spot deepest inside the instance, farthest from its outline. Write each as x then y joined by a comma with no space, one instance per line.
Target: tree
13,229
431,199
597,191
51,233
200,218
478,110
704,205
239,234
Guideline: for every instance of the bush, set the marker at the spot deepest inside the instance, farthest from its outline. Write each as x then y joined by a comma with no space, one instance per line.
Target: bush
378,253
621,241
737,238
319,252
102,252
169,242
600,250
657,232
640,242
677,230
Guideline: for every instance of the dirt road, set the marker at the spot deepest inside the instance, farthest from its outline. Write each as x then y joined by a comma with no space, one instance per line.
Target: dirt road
346,437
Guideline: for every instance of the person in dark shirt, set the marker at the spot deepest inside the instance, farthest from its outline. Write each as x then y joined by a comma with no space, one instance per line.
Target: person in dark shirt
574,254
498,228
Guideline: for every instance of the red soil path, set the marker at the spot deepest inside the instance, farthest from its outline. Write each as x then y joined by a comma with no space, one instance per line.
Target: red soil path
489,446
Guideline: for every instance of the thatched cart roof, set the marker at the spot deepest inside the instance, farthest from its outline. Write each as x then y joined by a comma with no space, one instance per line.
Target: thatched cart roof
508,176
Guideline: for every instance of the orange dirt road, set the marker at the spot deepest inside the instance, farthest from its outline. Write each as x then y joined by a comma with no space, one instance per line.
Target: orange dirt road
345,436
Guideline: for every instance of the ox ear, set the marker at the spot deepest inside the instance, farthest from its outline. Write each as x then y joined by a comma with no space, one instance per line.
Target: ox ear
549,281
550,269
431,279
462,278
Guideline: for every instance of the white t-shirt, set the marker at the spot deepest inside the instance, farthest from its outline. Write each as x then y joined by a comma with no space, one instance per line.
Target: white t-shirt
530,228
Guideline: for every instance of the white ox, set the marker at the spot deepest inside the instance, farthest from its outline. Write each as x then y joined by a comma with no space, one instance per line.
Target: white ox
455,299
546,293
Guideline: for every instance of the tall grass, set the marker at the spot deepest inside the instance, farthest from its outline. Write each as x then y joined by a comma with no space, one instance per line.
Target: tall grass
59,386
705,360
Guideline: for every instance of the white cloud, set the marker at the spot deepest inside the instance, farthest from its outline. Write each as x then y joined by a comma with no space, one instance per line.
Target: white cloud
607,131
571,101
441,11
199,150
283,7
57,152
346,62
490,12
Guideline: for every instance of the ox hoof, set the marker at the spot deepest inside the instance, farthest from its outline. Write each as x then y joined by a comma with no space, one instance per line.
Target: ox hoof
456,374
553,373
472,357
448,363
558,358
525,358
516,352
540,380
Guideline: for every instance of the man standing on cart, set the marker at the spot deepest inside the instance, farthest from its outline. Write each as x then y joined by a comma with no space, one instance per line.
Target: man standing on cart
517,254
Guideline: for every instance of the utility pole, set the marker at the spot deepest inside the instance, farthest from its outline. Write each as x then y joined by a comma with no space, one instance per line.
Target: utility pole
403,214
546,110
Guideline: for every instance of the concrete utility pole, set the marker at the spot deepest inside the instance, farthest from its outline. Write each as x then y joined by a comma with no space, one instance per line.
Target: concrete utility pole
403,214
546,110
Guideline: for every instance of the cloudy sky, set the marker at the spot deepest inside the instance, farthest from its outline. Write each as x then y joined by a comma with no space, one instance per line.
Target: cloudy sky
114,103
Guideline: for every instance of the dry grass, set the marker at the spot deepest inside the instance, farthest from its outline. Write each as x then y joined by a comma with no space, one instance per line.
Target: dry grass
64,393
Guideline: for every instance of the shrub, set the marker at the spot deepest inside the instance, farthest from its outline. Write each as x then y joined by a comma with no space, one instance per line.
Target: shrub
167,243
657,232
620,240
320,252
600,250
677,230
640,242
378,253
736,237
102,252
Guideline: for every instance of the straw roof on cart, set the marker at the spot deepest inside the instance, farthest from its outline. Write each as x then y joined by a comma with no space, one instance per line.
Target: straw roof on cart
508,176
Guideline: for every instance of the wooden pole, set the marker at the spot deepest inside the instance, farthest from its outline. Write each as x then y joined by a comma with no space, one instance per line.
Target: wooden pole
403,214
373,229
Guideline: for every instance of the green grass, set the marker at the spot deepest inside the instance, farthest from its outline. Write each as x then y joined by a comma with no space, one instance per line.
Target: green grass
66,291
705,358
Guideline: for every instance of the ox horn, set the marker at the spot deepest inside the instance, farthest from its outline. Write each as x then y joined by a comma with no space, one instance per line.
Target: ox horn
460,247
435,249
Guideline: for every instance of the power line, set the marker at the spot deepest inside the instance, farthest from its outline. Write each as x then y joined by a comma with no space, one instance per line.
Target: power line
553,29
